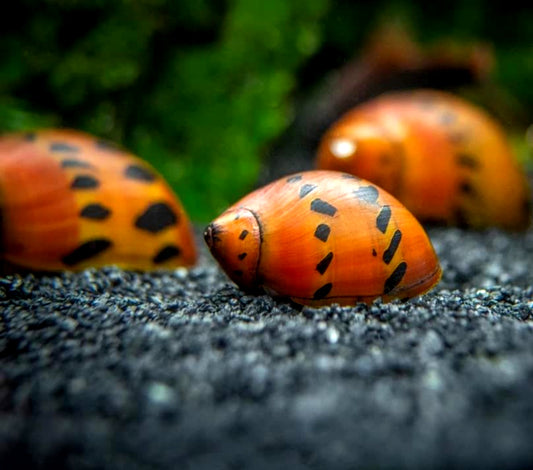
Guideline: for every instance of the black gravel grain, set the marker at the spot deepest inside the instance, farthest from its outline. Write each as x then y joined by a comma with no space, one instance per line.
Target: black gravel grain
121,370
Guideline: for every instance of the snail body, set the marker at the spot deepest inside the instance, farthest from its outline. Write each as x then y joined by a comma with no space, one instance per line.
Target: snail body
69,201
445,159
322,237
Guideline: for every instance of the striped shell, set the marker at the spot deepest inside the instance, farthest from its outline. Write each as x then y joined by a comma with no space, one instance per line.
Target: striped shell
323,237
445,159
70,201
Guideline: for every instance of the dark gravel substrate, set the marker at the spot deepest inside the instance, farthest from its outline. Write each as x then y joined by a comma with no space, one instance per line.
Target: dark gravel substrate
112,369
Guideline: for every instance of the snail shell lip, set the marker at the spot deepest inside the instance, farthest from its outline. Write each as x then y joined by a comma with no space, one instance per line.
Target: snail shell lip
211,235
234,240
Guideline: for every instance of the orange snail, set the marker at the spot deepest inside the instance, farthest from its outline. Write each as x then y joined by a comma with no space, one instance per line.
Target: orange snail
69,201
447,160
322,237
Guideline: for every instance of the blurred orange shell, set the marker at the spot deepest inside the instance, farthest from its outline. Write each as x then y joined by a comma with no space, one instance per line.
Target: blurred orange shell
323,237
70,201
447,160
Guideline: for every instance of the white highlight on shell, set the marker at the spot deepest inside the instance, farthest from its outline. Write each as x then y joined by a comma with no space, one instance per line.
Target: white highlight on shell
395,126
343,148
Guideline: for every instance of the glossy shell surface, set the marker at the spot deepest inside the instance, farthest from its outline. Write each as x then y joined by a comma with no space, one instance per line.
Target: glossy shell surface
69,201
323,237
447,160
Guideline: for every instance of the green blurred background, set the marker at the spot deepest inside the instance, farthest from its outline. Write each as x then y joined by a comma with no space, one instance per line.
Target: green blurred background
204,89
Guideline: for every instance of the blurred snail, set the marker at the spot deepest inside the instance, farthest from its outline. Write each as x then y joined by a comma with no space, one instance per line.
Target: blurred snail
70,201
447,160
323,237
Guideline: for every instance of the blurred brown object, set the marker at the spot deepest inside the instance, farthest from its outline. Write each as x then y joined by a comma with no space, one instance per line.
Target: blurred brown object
390,60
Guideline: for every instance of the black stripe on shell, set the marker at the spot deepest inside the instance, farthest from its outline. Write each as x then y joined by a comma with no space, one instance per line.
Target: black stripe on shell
103,144
323,265
84,182
323,291
75,163
294,179
395,278
63,147
382,221
389,253
86,251
166,253
139,173
306,189
367,193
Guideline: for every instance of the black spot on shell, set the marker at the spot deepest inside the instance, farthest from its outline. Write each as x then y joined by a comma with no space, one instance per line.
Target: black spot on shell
447,118
323,207
322,232
95,211
395,278
386,159
306,189
139,173
374,252
85,182
367,193
294,179
467,161
242,256
238,272
382,221
466,188
166,253
323,291
63,147
324,263
103,144
389,253
157,217
75,163
86,251
243,234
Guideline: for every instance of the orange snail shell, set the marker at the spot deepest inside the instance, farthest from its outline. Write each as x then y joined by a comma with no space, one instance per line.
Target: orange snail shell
69,201
447,160
323,237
